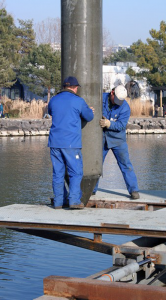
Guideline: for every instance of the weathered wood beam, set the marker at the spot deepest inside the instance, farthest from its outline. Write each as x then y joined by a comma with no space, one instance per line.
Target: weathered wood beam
71,239
105,228
92,289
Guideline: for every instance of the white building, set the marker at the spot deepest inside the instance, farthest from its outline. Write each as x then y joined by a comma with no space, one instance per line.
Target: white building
114,75
119,47
56,47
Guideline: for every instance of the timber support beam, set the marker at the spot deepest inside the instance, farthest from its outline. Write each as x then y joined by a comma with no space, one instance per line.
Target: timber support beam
91,289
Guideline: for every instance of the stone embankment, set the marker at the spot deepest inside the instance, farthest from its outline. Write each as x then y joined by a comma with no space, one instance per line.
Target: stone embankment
22,127
146,125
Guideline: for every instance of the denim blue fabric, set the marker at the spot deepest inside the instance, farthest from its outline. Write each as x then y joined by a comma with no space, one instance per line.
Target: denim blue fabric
122,156
114,138
65,142
67,109
1,110
118,115
72,160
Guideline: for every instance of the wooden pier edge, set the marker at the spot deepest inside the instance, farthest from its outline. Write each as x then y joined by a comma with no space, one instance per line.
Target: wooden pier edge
91,289
45,297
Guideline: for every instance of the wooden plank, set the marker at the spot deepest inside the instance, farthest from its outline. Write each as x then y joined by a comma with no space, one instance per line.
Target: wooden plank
113,204
106,221
92,289
122,226
91,229
129,205
121,195
45,297
70,239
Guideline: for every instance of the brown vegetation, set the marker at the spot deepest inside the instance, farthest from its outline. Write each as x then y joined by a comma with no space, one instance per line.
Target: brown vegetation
140,108
37,108
22,109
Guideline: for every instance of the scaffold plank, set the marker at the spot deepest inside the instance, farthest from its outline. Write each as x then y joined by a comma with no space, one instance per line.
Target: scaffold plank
94,220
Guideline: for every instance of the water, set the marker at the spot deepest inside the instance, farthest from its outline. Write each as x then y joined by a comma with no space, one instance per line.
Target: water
148,156
25,177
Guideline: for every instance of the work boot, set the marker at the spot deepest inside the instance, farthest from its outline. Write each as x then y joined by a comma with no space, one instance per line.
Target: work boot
57,207
65,204
77,206
135,195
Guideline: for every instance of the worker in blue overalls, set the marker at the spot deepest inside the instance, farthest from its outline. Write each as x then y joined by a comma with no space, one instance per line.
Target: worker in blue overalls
1,110
65,142
116,113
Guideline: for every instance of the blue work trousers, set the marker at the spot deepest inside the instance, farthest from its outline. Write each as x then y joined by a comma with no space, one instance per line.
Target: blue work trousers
121,154
70,159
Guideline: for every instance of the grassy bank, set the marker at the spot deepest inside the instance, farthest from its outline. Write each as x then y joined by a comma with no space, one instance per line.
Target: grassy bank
22,109
140,108
38,108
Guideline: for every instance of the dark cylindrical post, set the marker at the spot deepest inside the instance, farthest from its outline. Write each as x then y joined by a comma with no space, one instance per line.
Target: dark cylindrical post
81,29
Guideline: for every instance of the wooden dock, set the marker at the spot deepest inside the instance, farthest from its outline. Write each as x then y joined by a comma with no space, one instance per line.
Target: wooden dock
108,212
117,214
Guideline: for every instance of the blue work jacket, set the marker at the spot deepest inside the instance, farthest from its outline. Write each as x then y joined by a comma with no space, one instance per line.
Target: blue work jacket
67,109
115,135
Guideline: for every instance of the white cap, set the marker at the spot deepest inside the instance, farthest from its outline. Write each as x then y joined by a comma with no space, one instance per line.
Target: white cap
120,94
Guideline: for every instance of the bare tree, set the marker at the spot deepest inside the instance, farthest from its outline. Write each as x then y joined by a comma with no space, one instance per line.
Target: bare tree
107,42
106,81
48,31
2,4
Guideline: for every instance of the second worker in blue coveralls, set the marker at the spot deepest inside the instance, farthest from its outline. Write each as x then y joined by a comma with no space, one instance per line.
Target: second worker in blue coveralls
116,113
65,142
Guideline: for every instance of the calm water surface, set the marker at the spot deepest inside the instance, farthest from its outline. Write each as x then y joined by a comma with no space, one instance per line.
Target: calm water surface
25,177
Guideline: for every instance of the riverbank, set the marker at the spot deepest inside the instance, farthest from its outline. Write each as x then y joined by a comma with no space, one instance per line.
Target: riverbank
33,127
24,127
146,125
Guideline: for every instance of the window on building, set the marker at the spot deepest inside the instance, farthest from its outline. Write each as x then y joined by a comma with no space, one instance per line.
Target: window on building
6,92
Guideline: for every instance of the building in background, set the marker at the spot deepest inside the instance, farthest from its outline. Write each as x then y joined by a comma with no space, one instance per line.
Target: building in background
20,91
119,47
116,74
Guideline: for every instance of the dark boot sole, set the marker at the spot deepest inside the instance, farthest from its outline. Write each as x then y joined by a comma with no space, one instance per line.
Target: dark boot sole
79,206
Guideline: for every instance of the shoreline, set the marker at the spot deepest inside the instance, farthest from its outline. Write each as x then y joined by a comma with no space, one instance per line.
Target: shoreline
38,127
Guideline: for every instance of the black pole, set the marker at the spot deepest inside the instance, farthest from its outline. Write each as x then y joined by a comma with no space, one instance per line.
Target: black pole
81,54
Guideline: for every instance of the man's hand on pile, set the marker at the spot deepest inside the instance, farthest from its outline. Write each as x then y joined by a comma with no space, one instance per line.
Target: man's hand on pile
104,122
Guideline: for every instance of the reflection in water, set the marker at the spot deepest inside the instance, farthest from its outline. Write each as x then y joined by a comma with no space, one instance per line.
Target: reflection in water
26,175
147,154
25,169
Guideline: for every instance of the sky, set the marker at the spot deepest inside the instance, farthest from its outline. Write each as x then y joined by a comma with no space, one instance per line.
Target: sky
126,20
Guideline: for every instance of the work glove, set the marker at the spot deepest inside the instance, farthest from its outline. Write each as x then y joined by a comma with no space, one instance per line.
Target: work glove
104,122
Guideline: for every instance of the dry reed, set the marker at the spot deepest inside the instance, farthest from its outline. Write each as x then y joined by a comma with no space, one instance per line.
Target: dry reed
37,108
22,109
140,108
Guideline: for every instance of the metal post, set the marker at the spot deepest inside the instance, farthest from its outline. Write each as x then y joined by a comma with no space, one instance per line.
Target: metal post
124,271
160,114
81,54
161,92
